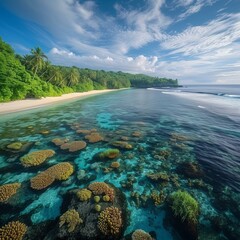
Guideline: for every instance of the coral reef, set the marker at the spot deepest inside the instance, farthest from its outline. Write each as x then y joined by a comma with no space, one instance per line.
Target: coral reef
72,218
15,146
90,211
190,170
99,188
97,207
8,190
97,199
36,158
41,181
139,234
124,138
110,221
122,145
178,137
59,141
73,146
14,230
136,134
158,177
45,132
115,165
83,131
84,194
81,174
164,153
94,137
109,153
106,198
158,198
60,171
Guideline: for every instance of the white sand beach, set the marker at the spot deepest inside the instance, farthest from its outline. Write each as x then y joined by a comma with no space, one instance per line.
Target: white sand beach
21,105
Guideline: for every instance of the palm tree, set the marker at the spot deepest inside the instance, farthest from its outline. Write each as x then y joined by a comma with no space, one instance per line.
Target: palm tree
72,77
56,76
45,70
37,60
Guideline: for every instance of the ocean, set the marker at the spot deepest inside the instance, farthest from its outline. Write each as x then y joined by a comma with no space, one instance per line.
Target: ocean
185,138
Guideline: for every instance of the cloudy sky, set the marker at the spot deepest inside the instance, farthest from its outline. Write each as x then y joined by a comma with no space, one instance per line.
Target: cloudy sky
195,41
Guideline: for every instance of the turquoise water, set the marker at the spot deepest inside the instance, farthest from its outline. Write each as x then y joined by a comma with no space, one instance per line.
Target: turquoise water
193,126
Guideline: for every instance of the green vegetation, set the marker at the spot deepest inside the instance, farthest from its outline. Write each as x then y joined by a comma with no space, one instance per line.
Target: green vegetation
109,153
33,76
185,206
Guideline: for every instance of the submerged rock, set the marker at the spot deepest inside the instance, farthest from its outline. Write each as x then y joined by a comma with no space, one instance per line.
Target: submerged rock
190,170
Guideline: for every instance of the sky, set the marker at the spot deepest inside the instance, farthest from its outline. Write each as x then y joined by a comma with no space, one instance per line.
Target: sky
194,41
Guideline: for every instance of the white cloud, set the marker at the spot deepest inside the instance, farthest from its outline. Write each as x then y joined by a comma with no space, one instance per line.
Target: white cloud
139,64
61,52
193,6
144,25
207,54
109,59
184,3
78,34
216,34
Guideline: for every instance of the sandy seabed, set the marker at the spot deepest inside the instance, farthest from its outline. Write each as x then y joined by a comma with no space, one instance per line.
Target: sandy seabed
21,105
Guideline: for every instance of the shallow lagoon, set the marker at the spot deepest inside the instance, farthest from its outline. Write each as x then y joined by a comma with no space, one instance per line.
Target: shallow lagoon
167,132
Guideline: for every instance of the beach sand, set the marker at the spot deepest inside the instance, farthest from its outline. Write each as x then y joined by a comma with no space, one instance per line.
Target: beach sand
21,105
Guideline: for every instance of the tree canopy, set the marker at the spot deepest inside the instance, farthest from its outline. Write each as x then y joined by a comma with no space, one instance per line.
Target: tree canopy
34,76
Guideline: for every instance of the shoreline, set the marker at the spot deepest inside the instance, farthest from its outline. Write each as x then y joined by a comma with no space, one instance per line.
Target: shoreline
28,104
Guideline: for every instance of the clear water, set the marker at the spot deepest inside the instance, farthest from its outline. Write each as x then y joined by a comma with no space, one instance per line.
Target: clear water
207,124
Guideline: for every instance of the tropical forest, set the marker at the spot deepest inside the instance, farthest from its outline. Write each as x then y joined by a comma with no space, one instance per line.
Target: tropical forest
33,76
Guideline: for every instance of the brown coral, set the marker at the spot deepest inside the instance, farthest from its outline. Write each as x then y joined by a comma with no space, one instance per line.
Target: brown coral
122,145
99,188
60,171
159,177
84,194
36,158
83,131
8,190
178,137
110,221
158,198
13,230
72,218
136,134
59,141
74,146
94,137
139,234
42,180
115,164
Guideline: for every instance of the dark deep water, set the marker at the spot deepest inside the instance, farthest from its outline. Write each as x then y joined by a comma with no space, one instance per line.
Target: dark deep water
196,124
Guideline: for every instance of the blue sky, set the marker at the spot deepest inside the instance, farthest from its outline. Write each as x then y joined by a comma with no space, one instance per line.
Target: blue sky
195,41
